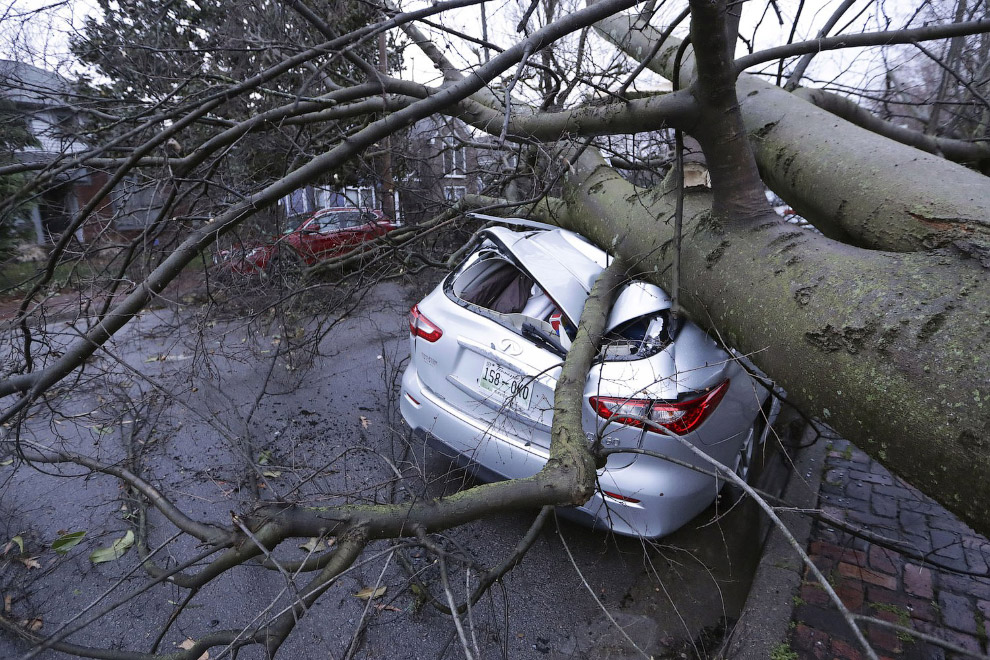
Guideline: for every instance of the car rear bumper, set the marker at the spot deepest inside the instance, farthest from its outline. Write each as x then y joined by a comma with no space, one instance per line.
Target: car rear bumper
668,496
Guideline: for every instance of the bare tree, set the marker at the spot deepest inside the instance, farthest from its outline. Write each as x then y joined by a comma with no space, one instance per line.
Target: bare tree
876,325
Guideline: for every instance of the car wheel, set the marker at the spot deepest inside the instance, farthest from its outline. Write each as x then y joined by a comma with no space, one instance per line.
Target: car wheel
744,459
732,492
286,262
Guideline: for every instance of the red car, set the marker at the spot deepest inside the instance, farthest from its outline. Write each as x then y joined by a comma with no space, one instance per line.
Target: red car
323,235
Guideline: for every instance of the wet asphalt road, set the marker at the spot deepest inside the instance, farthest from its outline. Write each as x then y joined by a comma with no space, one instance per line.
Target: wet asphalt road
326,430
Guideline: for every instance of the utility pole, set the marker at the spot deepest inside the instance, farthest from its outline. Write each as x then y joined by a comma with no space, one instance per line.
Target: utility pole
388,183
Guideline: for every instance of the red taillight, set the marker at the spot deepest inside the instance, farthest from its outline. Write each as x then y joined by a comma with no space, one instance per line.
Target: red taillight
420,326
680,417
621,498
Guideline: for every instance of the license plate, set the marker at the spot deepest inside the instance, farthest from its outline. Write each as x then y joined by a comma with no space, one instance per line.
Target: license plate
515,388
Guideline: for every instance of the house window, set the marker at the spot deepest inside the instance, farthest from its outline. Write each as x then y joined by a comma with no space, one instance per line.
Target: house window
454,193
296,202
453,156
362,197
329,198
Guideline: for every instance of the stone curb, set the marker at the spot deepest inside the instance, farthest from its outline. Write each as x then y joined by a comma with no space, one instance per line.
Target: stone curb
765,620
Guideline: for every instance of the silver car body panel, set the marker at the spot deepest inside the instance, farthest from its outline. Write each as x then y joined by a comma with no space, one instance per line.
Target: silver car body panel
507,433
636,299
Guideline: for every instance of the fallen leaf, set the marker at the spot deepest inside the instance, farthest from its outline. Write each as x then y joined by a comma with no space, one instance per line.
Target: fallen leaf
173,358
315,544
8,600
188,644
115,551
33,625
264,457
30,562
18,541
382,607
370,592
364,422
67,541
272,474
7,462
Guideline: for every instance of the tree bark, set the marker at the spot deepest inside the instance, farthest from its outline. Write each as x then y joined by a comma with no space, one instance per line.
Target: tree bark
887,348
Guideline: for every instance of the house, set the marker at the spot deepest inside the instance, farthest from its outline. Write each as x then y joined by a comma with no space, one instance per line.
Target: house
42,101
437,162
444,161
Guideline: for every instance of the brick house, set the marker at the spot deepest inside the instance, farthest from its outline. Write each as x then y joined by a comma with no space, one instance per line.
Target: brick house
437,162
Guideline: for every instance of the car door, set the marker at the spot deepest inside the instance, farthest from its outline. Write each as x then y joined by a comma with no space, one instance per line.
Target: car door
326,240
359,229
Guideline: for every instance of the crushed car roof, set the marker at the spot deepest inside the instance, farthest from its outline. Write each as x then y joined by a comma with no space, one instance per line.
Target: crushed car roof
565,265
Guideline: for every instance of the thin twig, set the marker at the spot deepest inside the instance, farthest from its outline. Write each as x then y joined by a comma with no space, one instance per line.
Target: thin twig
442,562
594,596
353,647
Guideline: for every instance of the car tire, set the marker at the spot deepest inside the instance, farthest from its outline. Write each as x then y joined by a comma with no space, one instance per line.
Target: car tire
285,263
744,458
743,466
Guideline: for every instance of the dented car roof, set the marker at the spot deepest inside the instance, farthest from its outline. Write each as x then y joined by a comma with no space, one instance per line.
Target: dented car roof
566,267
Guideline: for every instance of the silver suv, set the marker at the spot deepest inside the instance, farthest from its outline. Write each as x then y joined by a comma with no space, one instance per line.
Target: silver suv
487,347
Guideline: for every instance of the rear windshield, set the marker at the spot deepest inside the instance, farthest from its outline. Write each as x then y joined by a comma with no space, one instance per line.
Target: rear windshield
498,288
508,295
638,338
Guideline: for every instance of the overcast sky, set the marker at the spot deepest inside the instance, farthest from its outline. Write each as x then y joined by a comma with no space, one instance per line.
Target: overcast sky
36,31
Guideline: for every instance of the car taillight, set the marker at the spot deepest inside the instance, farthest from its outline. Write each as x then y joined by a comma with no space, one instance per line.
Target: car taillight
621,497
680,417
420,326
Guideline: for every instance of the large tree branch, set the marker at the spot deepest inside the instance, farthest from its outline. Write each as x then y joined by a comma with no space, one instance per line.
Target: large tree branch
960,151
865,39
816,182
736,186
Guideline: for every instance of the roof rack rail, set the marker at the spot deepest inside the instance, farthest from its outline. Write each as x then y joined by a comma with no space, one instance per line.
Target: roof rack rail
519,222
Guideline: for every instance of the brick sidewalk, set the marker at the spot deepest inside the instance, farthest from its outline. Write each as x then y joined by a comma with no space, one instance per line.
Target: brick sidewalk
929,592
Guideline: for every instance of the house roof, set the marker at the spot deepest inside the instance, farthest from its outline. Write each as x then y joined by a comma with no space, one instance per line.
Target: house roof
29,85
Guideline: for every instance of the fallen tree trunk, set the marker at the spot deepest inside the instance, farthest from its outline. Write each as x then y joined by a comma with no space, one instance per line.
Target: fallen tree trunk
888,348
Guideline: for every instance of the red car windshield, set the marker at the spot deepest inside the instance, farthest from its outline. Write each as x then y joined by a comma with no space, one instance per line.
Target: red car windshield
294,223
331,220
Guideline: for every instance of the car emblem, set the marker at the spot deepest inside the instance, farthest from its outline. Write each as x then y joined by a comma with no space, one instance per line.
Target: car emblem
510,347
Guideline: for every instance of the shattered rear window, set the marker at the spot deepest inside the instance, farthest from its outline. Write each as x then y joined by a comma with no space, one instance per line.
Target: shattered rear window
638,338
491,282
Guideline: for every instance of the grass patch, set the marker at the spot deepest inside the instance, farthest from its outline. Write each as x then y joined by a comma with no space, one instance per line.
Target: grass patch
783,651
903,618
17,278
